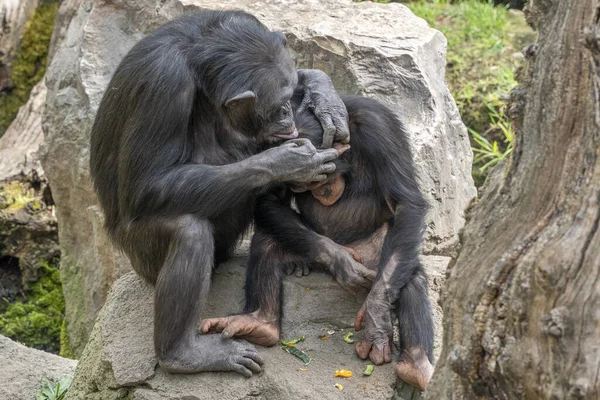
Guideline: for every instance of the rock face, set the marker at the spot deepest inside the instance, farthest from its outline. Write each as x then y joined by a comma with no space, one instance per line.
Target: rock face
28,227
22,369
119,360
381,51
20,144
13,16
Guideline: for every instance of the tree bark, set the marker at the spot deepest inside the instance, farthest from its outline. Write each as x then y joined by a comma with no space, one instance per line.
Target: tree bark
522,301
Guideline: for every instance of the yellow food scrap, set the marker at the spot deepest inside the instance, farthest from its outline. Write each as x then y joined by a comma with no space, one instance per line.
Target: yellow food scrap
324,337
303,369
308,289
337,385
344,373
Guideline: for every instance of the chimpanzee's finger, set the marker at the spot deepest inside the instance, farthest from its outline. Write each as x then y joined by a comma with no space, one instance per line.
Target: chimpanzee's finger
254,356
213,324
376,355
240,369
368,274
329,130
236,327
320,178
289,269
354,254
299,272
341,148
250,364
381,351
360,316
305,270
342,133
301,142
362,348
327,168
326,155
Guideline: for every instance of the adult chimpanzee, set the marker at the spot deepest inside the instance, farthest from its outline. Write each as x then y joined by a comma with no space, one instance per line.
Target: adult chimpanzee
178,158
371,210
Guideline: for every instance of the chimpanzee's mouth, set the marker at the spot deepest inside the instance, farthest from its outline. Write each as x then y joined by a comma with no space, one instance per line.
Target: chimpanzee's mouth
287,135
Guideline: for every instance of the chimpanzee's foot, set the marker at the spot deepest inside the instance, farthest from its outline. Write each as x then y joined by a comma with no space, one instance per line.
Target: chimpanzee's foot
212,353
414,368
247,326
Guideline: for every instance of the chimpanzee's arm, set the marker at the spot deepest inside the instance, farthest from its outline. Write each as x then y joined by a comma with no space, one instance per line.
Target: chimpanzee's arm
274,216
316,93
394,171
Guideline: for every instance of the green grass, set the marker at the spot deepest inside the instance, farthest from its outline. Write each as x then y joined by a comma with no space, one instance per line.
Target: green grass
484,44
36,321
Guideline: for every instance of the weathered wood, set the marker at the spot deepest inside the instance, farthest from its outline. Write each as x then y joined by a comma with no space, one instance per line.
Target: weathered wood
522,301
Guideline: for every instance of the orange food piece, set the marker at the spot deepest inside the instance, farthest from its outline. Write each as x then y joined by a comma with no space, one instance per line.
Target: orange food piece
343,373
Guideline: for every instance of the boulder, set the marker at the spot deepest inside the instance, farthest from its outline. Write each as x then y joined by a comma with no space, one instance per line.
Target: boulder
20,144
14,15
28,227
22,369
119,359
378,50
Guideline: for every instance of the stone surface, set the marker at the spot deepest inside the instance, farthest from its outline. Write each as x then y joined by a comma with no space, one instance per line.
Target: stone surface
28,227
20,144
22,369
119,359
13,15
377,50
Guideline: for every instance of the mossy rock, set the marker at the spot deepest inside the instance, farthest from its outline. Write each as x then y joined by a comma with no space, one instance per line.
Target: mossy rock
29,64
36,320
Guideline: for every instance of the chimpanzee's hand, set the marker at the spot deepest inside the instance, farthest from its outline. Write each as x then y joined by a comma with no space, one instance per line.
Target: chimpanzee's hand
344,267
322,99
375,315
298,160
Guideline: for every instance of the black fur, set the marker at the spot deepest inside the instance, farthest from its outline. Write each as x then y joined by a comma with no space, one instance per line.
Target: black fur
165,160
381,188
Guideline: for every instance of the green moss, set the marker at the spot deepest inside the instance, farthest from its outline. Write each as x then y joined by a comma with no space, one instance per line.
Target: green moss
17,194
36,321
29,64
65,346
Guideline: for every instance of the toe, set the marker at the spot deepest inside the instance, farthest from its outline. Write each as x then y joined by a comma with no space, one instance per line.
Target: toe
250,364
362,349
240,369
376,355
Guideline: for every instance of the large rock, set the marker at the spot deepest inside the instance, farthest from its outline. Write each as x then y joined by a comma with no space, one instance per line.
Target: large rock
13,17
381,51
22,369
119,360
20,144
28,227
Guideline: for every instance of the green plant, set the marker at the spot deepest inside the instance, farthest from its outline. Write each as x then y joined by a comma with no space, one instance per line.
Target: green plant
54,390
29,64
36,321
489,153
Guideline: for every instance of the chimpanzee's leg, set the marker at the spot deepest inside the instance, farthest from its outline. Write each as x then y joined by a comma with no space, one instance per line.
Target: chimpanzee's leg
416,332
182,286
260,322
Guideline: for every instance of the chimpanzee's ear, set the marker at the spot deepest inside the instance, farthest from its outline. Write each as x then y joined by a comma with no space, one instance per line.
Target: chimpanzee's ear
242,102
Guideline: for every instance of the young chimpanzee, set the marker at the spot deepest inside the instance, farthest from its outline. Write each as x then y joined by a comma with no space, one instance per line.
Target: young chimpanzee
370,212
179,155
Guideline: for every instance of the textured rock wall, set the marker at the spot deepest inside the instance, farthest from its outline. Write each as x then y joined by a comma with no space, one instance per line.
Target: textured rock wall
381,51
